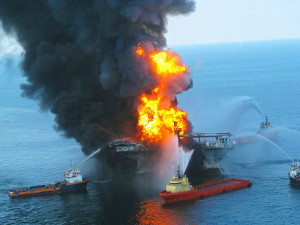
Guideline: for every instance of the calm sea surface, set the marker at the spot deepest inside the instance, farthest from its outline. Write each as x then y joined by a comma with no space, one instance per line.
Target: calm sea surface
235,86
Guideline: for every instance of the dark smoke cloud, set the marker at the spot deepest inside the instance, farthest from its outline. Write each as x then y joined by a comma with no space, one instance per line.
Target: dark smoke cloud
80,63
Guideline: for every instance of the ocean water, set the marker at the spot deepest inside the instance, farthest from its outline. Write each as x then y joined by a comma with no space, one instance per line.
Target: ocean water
235,86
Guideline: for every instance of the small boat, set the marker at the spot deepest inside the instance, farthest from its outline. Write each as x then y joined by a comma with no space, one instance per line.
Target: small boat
294,174
180,189
265,126
73,181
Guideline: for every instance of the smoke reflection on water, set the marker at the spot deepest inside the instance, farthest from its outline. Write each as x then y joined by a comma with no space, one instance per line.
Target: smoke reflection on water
136,199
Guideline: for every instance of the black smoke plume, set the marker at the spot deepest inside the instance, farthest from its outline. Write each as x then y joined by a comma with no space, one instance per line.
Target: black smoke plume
80,63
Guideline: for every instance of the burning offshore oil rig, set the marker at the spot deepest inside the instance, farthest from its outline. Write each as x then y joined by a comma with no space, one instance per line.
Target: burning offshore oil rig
208,150
111,76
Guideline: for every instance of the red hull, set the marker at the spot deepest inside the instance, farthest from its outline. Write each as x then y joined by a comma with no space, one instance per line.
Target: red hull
203,190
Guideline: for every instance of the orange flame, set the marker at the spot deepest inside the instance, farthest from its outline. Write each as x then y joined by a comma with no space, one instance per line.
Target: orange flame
140,51
155,121
166,63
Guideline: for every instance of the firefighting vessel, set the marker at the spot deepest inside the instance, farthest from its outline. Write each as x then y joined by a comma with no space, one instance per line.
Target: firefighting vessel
294,174
73,181
266,130
180,188
264,125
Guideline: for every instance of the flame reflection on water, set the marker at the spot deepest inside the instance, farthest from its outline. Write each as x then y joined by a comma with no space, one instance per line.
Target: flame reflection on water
155,212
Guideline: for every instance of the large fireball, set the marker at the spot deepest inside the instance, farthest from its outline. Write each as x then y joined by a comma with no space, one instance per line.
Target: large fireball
157,120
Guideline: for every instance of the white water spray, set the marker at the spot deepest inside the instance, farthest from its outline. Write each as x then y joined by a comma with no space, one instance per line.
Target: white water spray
287,129
183,158
91,155
246,103
270,142
275,145
171,156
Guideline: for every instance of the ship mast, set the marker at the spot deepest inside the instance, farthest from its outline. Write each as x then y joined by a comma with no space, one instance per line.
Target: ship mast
178,172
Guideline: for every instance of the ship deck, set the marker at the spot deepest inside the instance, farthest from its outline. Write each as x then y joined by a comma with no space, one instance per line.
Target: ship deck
227,183
207,189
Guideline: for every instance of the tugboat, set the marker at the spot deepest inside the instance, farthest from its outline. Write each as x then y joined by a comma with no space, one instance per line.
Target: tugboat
294,174
180,188
73,181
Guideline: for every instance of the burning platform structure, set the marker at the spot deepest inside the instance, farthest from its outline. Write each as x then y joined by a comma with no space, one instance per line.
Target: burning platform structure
209,150
125,154
213,151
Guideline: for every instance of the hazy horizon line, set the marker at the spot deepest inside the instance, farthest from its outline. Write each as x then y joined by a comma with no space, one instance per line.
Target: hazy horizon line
236,42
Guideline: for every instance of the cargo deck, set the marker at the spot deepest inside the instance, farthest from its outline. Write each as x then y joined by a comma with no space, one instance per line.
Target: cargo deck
207,189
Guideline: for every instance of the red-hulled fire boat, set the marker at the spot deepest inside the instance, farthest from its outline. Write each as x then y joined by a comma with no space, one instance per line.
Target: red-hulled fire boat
180,189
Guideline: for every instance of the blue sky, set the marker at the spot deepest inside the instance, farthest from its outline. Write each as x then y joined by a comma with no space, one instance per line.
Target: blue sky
217,21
